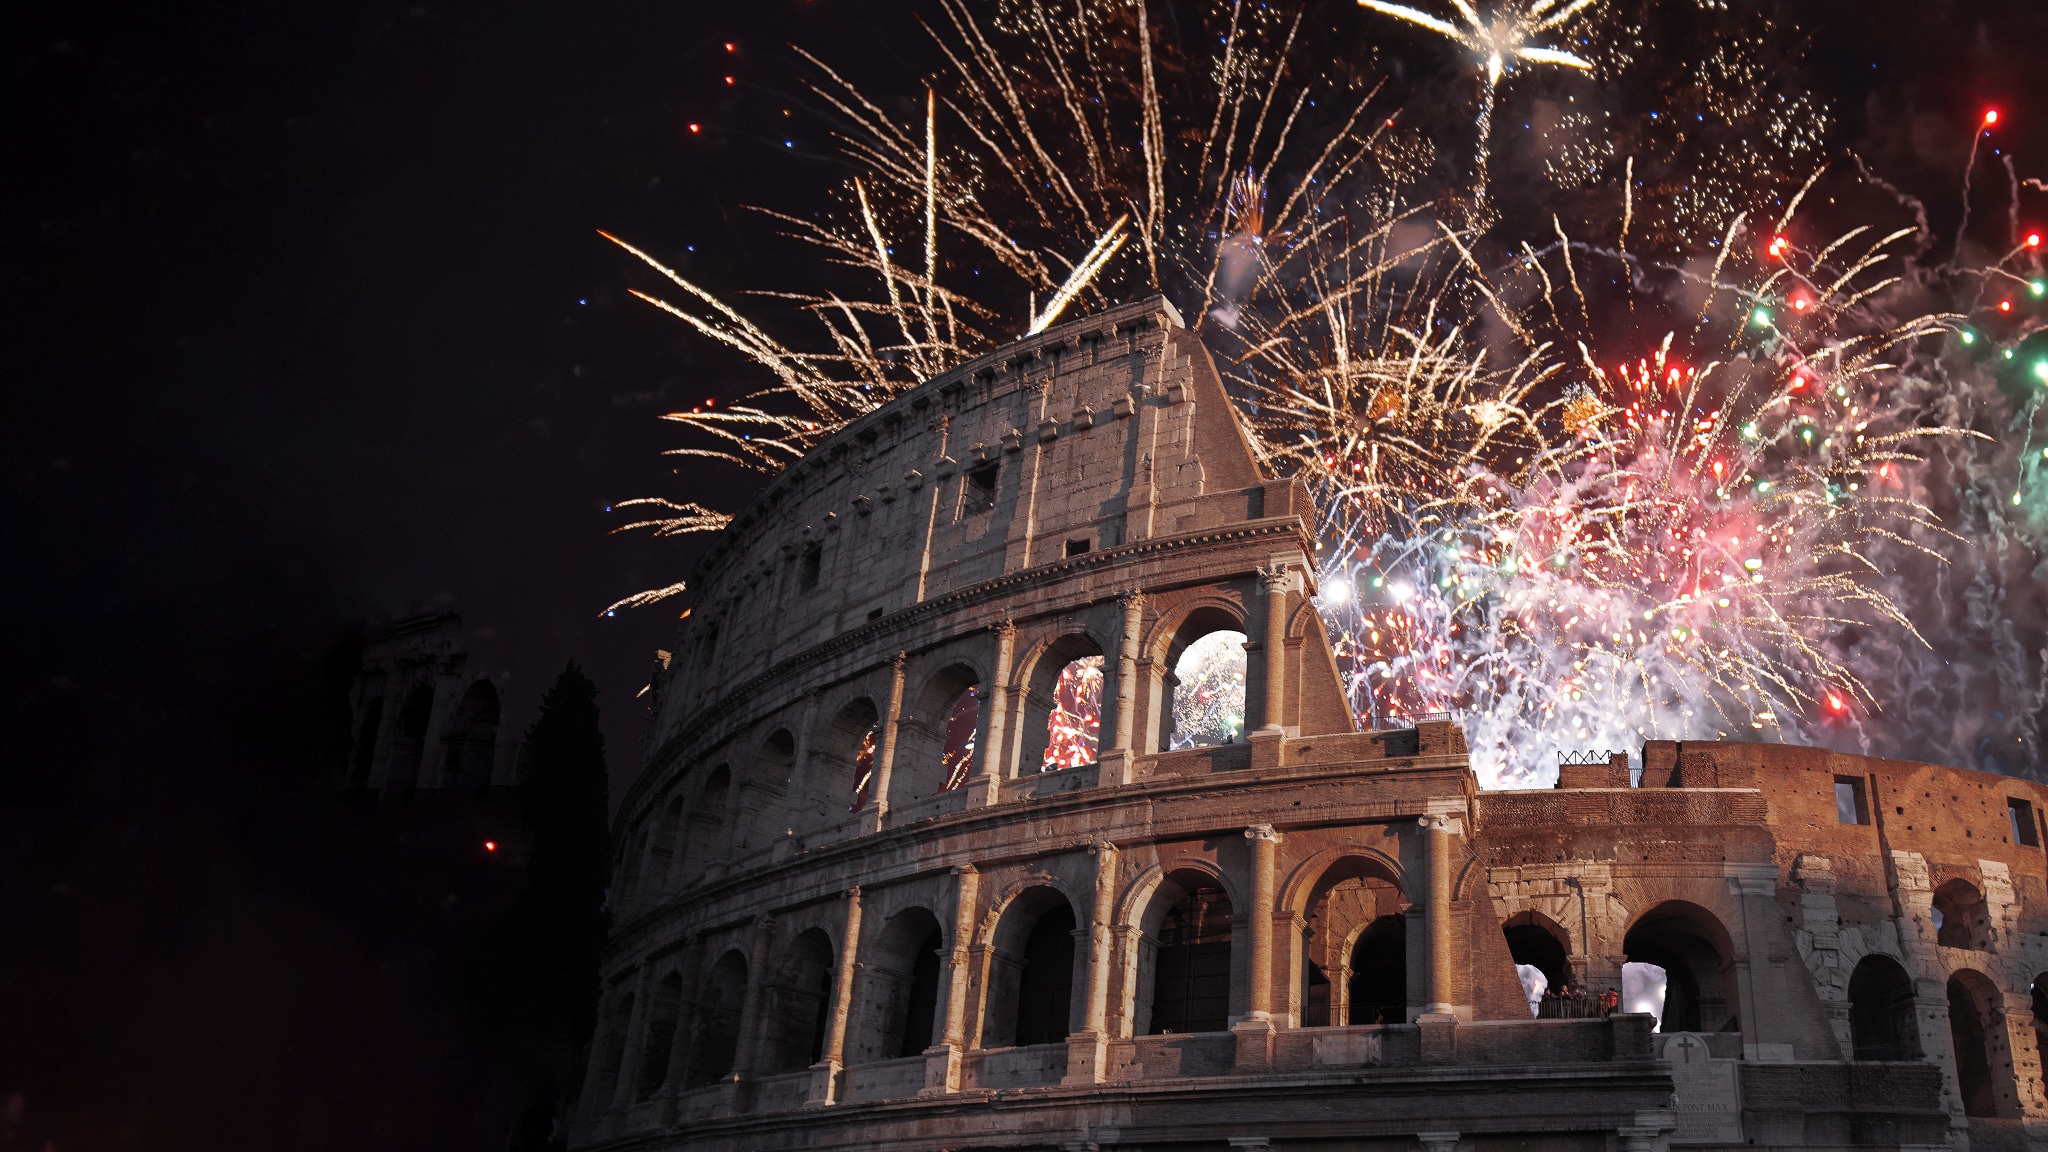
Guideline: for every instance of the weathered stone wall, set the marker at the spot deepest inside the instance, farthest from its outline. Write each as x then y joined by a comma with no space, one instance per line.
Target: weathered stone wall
796,964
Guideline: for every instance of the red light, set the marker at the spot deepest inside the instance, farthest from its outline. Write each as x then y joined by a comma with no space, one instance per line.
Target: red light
1799,304
2033,239
1990,116
729,80
2005,305
490,845
696,128
731,47
1834,702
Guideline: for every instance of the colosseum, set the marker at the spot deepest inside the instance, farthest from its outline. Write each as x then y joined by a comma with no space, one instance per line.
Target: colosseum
933,849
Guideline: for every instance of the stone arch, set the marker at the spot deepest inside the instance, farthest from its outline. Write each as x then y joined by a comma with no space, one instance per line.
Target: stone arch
1353,906
766,791
2039,991
1693,948
842,781
470,740
1962,919
1028,994
1978,1048
659,1035
364,755
797,1003
661,849
409,740
1191,620
702,841
1542,943
615,1051
1041,679
1881,1017
898,988
1305,883
717,1021
634,858
1184,951
929,755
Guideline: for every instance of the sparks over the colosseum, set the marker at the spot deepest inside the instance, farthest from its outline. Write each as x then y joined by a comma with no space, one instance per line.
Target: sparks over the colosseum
1596,459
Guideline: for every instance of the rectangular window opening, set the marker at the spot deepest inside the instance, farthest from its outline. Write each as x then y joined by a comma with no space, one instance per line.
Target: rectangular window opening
1076,547
981,488
2021,813
874,614
1850,807
812,562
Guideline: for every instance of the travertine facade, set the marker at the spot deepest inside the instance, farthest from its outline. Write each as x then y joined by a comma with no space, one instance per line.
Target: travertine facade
1307,936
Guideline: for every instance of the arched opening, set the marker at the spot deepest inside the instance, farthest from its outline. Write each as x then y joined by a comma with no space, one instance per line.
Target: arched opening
935,744
1972,1025
707,819
851,744
410,740
1961,919
1208,691
2041,1027
470,741
900,987
661,851
661,1034
799,1004
762,801
615,1051
1350,896
1062,720
718,1021
1378,991
629,869
1881,1011
1204,692
1184,962
1542,959
364,754
1691,946
1031,974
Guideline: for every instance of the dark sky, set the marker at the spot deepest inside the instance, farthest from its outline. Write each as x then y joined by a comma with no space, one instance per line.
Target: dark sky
307,324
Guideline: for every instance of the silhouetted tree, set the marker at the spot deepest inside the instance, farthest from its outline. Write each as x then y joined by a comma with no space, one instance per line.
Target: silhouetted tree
532,983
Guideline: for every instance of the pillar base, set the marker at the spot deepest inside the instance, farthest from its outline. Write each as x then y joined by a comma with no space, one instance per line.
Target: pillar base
1439,1037
1254,1044
1267,744
824,1089
982,791
1437,1141
941,1070
1113,768
1650,1133
871,818
1087,1058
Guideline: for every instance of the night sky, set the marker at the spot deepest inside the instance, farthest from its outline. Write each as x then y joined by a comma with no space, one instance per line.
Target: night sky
308,325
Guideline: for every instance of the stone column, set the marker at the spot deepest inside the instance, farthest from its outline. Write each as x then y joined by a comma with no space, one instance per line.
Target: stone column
796,805
942,1060
636,1038
825,1073
986,787
748,1053
1115,761
1088,1049
686,1023
1651,1132
1437,829
1255,1032
885,756
1274,584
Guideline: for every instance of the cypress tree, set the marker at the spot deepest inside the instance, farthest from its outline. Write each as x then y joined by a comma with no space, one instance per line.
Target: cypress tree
534,979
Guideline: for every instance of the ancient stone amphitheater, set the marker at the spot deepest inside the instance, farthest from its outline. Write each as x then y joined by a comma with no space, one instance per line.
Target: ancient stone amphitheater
934,849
